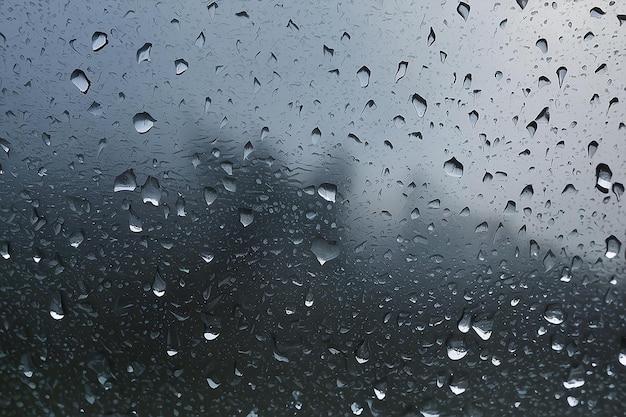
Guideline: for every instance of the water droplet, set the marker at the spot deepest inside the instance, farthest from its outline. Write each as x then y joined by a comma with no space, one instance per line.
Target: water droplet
248,148
419,103
5,251
362,352
134,223
158,284
143,53
554,314
613,246
618,190
327,191
522,3
473,117
415,213
80,80
431,37
98,41
467,84
363,74
207,256
173,342
459,383
603,178
575,378
561,73
180,206
456,348
401,72
181,66
622,351
76,238
126,181
324,250
200,40
380,390
549,261
151,191
5,145
542,44
453,168
212,7
143,122
597,12
56,306
532,128
463,9
212,327
246,217
465,322
483,326
210,194
230,184
356,409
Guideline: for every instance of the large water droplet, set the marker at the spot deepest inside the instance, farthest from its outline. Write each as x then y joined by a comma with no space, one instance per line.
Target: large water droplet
181,66
613,246
143,53
200,40
80,80
158,284
143,122
56,306
134,223
151,191
126,181
363,74
327,191
210,195
456,348
522,3
549,261
463,9
465,323
483,326
246,217
212,327
561,73
98,41
542,44
419,103
362,352
324,250
402,67
603,178
453,168
316,135
76,238
554,314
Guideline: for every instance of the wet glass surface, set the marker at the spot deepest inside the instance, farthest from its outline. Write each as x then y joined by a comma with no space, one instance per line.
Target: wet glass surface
337,208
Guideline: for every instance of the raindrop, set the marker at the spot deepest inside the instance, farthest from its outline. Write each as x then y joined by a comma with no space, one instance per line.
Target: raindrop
143,122
483,326
212,7
5,250
613,246
575,379
200,40
554,314
180,206
181,66
549,261
246,217
126,181
543,116
415,213
5,145
401,72
618,190
453,168
603,178
316,135
465,323
597,12
327,191
210,195
76,238
151,191
207,104
230,184
456,347
543,82
542,44
431,37
80,80
134,223
362,353
622,351
459,383
419,103
212,327
363,75
473,117
561,73
522,3
98,41
173,342
56,306
532,128
467,82
463,9
158,284
143,53
324,250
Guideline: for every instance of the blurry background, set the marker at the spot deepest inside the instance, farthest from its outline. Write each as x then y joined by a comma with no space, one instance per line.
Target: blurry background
256,209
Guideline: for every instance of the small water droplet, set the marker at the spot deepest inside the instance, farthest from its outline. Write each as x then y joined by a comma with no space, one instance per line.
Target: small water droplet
246,217
465,323
212,7
473,117
316,135
431,37
603,178
522,3
456,348
80,80
143,122
362,353
76,238
549,261
597,12
542,44
363,74
453,168
151,191
561,73
554,314
483,326
57,311
134,223
210,195
158,284
200,40
324,250
532,128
